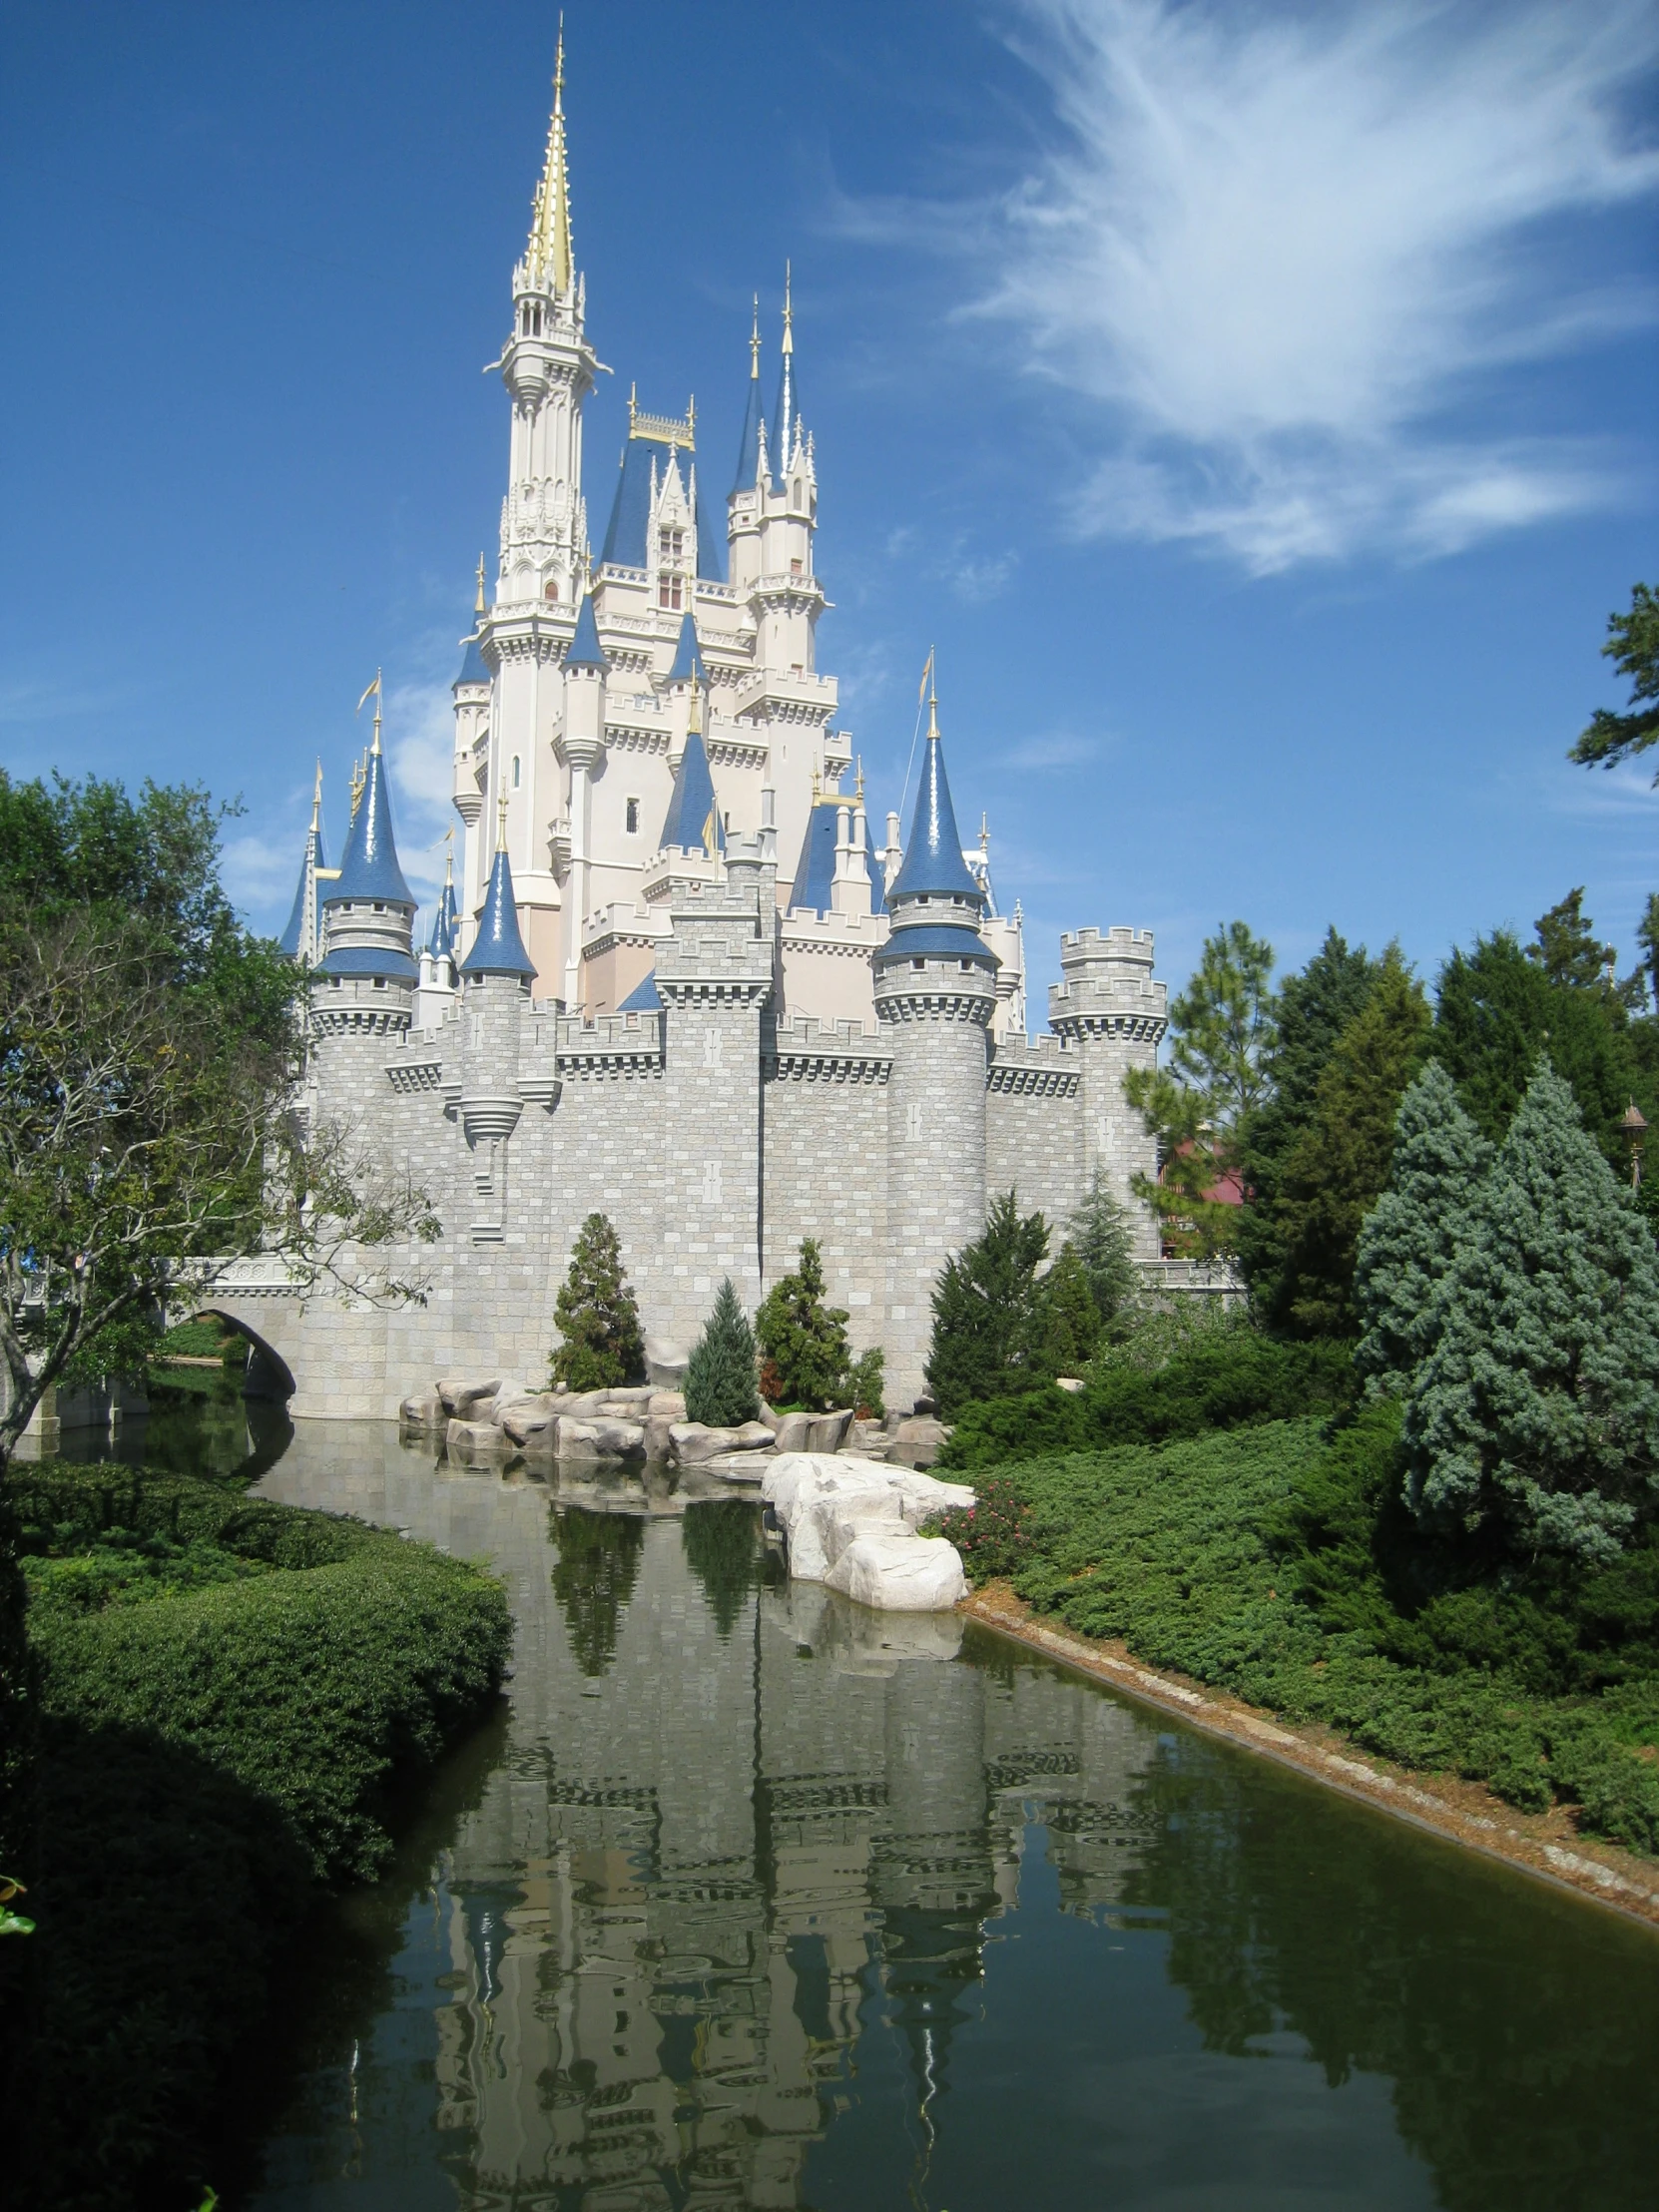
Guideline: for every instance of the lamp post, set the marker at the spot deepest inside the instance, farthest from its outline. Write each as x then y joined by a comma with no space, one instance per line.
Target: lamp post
1634,1124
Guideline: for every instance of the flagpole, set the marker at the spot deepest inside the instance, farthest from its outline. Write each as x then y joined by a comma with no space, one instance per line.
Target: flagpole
921,696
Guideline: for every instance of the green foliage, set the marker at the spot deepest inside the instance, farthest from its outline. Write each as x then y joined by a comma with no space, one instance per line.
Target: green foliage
1222,1377
866,1384
1339,1165
720,1377
1068,1317
720,1535
599,1323
988,1311
1103,1238
1223,1028
1567,949
1534,1417
599,1563
803,1341
1410,1236
1275,1562
1314,1008
1633,648
1154,1330
992,1535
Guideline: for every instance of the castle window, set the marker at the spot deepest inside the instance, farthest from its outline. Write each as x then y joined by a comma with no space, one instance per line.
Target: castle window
516,772
670,546
380,905
632,816
794,568
968,966
918,964
668,593
379,982
550,589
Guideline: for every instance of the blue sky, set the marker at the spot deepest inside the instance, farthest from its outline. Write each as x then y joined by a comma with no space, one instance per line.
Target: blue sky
1256,404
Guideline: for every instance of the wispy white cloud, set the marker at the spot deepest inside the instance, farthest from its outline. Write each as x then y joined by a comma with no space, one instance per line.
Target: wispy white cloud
1286,251
1058,751
419,740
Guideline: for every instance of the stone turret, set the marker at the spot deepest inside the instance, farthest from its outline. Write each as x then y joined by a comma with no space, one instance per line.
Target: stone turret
363,991
1113,1014
936,990
495,988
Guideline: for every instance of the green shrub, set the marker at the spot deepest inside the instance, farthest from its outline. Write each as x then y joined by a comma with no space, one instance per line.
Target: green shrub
994,1534
720,1376
1030,1426
598,1318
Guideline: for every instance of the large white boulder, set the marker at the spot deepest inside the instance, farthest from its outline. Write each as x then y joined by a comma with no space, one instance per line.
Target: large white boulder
830,1505
899,1573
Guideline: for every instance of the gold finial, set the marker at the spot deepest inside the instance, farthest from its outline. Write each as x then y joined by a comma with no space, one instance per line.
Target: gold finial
932,697
449,857
694,721
816,787
633,406
985,836
374,749
550,256
359,780
317,799
691,417
788,313
501,822
478,606
754,343
859,784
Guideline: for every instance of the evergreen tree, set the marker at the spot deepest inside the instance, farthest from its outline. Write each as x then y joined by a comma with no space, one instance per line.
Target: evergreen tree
1340,1164
1410,1233
1533,1421
1221,1027
1566,948
720,1377
1633,648
803,1341
1315,1007
719,1535
1069,1322
1103,1239
988,1311
865,1385
598,1566
597,1317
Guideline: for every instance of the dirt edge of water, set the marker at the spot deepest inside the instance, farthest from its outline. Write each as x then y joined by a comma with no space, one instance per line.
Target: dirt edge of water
1546,1846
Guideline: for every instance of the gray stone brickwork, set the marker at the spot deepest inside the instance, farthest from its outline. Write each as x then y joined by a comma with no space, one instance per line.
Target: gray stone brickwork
1113,1015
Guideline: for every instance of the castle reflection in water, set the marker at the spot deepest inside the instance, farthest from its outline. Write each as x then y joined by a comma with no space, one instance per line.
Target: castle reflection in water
737,1825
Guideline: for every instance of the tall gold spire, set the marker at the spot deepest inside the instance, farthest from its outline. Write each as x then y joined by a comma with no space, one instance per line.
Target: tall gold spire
549,256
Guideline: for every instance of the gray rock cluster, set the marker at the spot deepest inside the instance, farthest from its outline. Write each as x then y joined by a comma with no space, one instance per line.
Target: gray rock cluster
854,1525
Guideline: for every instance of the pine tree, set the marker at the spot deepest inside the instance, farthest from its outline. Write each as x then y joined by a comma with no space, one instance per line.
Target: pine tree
1068,1321
1534,1419
1567,949
720,1377
1104,1241
987,1322
803,1341
1340,1163
598,1320
1410,1233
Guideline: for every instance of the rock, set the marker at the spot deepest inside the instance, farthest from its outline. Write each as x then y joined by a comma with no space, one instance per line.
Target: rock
691,1442
899,1573
925,1404
667,1406
656,1427
1071,1382
736,1466
628,1404
424,1411
665,1362
869,1438
829,1430
794,1432
917,1441
923,1496
599,1439
474,1442
754,1435
459,1397
524,1417
811,1494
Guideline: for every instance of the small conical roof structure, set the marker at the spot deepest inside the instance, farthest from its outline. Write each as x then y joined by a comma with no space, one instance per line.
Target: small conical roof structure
442,943
499,949
748,445
694,824
933,863
687,656
786,415
369,866
302,928
585,647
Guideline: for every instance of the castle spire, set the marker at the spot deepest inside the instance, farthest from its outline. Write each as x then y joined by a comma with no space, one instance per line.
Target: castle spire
750,443
550,256
499,948
933,866
785,416
478,603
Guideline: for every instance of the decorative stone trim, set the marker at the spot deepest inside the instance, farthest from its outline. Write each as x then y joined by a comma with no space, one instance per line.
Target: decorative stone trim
408,1076
359,1021
1135,1028
1020,1079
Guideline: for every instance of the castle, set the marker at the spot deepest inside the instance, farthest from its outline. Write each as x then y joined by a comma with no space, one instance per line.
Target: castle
677,982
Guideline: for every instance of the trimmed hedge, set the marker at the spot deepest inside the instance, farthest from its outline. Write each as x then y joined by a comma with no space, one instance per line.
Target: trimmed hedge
1275,1561
1223,1379
227,1704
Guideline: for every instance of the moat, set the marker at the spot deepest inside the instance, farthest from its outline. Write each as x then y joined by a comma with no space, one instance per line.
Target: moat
751,1897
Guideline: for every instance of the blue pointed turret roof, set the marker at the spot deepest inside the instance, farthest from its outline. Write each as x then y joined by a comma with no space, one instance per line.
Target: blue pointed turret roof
630,523
748,445
293,932
585,647
815,874
644,998
688,655
369,866
785,416
442,943
694,824
499,949
933,863
475,669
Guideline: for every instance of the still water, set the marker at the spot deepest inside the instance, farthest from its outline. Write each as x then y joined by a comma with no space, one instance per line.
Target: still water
753,1898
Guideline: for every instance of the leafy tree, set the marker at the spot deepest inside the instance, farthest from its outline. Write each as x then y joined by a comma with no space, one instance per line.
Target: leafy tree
803,1341
1498,1010
1103,1238
1223,1027
720,1377
1566,948
1533,1421
1315,1007
1340,1164
597,1317
988,1311
1633,648
1409,1235
1069,1321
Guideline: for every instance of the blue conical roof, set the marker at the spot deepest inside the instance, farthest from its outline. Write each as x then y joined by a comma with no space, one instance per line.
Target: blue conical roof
748,445
475,669
687,656
694,824
442,943
815,874
499,949
933,862
585,647
293,934
369,867
644,998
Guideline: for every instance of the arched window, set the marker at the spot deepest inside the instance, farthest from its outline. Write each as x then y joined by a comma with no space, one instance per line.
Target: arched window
632,817
550,590
516,772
